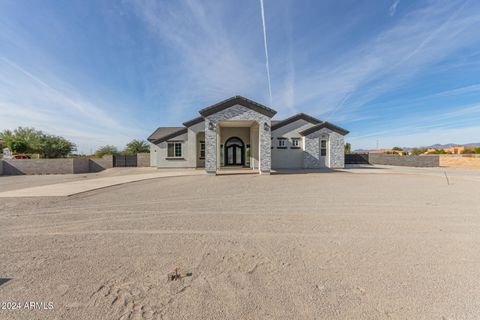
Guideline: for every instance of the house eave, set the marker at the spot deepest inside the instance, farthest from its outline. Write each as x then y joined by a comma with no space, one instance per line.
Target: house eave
193,122
299,116
169,136
322,125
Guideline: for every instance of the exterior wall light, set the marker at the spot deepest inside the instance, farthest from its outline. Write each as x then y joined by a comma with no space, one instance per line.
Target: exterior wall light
211,126
266,127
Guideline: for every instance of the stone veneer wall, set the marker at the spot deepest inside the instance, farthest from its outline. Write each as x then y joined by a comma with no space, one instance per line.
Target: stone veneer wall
335,156
311,155
237,112
406,161
337,150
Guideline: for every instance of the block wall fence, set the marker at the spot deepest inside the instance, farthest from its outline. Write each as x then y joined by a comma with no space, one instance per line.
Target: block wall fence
64,165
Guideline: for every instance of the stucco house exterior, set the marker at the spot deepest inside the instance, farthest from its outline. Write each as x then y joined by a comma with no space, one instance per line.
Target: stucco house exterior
240,132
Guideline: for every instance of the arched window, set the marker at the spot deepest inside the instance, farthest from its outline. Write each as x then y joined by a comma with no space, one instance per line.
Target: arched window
233,141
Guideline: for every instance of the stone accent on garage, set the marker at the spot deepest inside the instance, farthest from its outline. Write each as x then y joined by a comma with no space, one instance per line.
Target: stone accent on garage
311,156
335,156
336,150
237,112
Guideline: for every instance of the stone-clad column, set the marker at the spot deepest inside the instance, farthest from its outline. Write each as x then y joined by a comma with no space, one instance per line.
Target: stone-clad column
265,146
210,147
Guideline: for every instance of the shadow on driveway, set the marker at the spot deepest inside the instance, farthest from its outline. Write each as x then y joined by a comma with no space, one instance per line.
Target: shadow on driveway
4,280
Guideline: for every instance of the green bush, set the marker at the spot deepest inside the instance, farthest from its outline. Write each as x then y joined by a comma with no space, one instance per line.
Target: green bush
348,148
31,141
108,149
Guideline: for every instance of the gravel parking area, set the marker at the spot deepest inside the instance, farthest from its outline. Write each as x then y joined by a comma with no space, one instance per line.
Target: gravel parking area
332,245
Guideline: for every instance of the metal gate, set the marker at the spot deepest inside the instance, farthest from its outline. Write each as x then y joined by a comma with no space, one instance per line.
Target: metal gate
125,161
356,158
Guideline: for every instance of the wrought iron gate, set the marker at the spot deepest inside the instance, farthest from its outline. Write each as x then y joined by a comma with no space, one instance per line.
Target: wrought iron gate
125,161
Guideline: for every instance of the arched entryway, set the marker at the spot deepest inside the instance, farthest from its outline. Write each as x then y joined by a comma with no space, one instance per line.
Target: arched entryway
234,152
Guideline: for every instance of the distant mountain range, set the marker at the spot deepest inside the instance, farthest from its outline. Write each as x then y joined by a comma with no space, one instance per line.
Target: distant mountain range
433,146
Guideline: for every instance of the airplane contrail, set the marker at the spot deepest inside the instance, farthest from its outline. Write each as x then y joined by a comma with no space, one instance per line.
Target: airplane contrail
266,50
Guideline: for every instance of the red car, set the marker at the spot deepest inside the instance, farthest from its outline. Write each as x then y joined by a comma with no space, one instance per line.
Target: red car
21,156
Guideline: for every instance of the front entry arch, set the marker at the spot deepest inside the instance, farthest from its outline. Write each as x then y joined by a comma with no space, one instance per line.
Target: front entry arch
234,152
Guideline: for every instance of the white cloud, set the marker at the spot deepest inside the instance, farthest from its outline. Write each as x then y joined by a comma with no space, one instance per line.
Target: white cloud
27,99
475,88
211,63
208,51
444,127
416,41
393,8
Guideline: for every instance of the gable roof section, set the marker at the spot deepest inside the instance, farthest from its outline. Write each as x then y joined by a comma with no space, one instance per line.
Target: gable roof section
165,133
192,122
230,102
322,125
300,116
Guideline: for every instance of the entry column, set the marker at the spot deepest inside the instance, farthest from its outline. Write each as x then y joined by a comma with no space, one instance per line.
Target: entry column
264,144
210,147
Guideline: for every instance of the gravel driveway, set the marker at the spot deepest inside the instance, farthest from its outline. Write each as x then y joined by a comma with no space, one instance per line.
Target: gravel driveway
335,245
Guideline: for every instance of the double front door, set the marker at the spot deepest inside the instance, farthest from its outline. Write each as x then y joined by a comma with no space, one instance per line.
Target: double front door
234,152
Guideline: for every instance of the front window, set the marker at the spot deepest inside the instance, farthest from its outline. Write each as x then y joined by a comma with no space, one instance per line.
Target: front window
296,142
323,148
202,149
174,150
281,143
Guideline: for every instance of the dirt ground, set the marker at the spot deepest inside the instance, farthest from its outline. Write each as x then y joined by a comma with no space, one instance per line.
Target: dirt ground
337,245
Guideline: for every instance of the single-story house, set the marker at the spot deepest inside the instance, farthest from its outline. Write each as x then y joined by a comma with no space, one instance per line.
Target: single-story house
241,132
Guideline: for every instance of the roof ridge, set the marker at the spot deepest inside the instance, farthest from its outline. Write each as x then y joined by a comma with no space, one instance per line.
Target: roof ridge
251,104
296,117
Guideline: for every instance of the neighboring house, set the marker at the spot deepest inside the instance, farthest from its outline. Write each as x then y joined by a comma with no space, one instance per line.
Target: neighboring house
241,132
451,150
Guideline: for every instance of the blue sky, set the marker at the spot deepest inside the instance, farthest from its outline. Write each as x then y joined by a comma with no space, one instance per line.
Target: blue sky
395,72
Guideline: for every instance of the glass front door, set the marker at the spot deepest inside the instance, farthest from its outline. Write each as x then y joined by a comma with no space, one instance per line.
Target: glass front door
234,152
